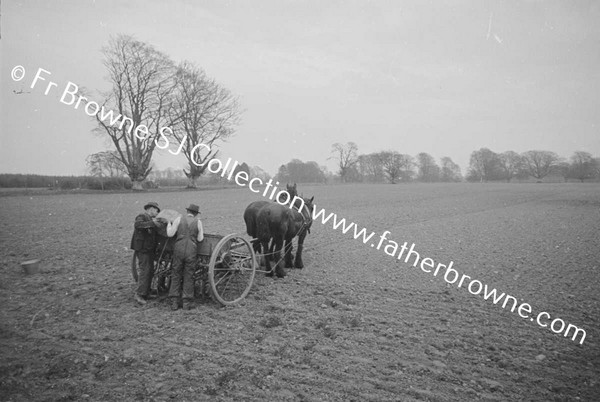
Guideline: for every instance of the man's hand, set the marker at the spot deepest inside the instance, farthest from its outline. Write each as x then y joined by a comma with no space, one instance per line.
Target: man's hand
160,221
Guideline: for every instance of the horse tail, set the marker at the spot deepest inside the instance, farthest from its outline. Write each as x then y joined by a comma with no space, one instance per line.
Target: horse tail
251,229
250,224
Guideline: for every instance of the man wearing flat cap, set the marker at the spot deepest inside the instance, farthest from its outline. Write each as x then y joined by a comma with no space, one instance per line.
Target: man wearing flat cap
143,242
188,233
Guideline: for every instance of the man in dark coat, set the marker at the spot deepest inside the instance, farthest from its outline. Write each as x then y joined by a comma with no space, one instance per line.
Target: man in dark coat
189,233
143,242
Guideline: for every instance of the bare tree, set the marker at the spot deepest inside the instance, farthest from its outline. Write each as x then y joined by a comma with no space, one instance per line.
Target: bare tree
346,156
258,172
105,164
202,112
540,164
142,82
390,164
396,165
300,172
511,163
407,167
428,169
450,170
484,165
583,166
370,168
562,168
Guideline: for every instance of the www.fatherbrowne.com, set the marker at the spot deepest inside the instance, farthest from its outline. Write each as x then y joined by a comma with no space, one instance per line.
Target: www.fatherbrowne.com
405,252
450,275
242,179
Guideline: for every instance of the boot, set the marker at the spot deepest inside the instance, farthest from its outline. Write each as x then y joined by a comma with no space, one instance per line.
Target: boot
140,300
187,305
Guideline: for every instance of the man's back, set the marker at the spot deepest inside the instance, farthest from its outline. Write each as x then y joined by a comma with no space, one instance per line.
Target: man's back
188,228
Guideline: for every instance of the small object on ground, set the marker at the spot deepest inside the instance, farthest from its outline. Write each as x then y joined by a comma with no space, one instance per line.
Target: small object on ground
31,267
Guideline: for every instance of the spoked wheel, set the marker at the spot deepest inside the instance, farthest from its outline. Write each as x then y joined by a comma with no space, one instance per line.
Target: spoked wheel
231,269
161,281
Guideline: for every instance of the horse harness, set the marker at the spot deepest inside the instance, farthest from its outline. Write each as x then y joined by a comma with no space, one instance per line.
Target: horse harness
306,221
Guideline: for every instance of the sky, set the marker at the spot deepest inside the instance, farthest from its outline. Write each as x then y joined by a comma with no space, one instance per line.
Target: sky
442,77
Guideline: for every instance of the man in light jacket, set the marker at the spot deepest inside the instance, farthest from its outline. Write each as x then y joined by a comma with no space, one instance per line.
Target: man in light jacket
189,232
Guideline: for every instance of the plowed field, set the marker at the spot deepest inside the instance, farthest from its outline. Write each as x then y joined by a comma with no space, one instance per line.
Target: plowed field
354,324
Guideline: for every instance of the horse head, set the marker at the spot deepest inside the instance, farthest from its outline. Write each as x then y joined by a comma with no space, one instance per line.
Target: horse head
305,207
291,190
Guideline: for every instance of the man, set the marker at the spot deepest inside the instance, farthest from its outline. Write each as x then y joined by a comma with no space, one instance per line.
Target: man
189,233
143,242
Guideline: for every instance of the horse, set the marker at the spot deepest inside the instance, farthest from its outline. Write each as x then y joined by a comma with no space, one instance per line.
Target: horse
252,211
250,215
280,224
303,217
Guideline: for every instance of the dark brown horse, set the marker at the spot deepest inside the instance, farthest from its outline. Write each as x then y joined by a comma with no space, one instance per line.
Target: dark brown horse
280,224
251,213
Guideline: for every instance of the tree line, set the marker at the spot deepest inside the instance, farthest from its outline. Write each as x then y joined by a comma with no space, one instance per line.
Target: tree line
487,165
484,165
15,180
117,180
392,166
378,167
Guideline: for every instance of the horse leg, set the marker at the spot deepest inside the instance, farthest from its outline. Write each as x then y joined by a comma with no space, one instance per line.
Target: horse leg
298,262
256,246
258,251
271,249
288,247
265,245
279,270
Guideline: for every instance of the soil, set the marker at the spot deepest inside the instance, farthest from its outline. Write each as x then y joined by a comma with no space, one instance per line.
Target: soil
354,325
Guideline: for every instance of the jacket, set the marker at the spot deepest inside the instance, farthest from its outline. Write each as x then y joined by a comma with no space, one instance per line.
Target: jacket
144,234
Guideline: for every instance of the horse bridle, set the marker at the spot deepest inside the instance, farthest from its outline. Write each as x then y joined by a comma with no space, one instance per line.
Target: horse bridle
305,219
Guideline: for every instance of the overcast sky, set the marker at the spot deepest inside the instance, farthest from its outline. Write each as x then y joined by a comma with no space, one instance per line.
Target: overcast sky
443,77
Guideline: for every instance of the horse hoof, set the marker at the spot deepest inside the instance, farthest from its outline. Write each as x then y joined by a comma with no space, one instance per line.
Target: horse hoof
280,272
299,265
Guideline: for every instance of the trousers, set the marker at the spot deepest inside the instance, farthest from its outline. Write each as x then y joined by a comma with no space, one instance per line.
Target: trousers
182,274
146,271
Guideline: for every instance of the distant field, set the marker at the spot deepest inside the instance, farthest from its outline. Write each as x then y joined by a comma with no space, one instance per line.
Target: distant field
355,324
